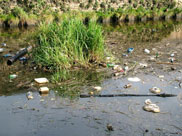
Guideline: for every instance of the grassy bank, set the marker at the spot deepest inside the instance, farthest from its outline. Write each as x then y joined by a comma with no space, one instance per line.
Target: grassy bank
61,47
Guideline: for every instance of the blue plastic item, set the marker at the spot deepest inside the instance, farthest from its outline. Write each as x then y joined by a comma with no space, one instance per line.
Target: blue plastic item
130,50
7,55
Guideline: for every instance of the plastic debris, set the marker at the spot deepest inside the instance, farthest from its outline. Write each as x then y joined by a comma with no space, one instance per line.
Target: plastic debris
172,55
161,76
148,101
29,95
126,68
127,86
134,79
13,76
110,65
3,44
152,59
130,50
155,90
125,55
7,55
171,60
151,108
143,65
147,51
44,90
1,50
97,88
41,80
91,93
23,59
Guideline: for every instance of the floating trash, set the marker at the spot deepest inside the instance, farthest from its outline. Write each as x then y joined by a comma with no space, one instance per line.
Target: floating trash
143,65
151,108
110,127
127,86
44,90
134,79
172,55
29,95
148,101
155,90
41,80
110,65
130,50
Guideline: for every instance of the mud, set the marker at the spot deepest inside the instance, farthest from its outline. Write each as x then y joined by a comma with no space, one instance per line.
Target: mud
62,112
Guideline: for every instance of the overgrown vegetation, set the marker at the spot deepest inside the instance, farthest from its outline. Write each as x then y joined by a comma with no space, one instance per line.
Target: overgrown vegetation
70,43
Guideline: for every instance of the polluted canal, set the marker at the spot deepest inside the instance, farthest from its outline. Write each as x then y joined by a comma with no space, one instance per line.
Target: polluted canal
148,61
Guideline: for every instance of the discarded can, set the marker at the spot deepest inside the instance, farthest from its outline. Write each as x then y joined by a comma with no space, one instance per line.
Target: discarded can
1,50
147,51
29,95
130,50
12,76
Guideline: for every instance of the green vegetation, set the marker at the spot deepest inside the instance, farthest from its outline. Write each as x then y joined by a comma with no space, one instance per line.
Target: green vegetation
70,43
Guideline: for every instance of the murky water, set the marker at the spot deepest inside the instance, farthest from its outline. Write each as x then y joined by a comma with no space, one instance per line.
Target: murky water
63,113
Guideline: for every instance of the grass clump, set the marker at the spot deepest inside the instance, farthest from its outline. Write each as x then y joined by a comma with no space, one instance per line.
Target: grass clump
70,43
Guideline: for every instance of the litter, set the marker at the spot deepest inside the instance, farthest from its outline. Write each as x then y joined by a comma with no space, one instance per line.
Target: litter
147,51
134,79
151,108
41,80
130,50
3,44
1,50
29,95
172,55
110,127
126,68
44,90
13,76
155,90
148,101
127,86
7,55
23,59
97,88
143,65
110,65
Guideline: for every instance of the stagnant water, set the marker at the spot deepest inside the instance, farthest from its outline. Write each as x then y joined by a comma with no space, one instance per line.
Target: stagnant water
63,113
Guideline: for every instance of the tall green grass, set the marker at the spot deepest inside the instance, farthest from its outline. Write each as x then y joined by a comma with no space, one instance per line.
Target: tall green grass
61,46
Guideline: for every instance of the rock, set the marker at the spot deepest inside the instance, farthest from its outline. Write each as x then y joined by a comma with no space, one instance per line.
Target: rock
155,90
152,108
41,80
44,90
110,127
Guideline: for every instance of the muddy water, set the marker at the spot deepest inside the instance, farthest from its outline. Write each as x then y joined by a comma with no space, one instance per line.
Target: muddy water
63,113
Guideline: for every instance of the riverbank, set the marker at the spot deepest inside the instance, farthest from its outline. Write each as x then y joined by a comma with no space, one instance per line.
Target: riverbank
23,14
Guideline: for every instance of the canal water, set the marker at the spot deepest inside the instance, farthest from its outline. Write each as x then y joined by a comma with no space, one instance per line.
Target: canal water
62,112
